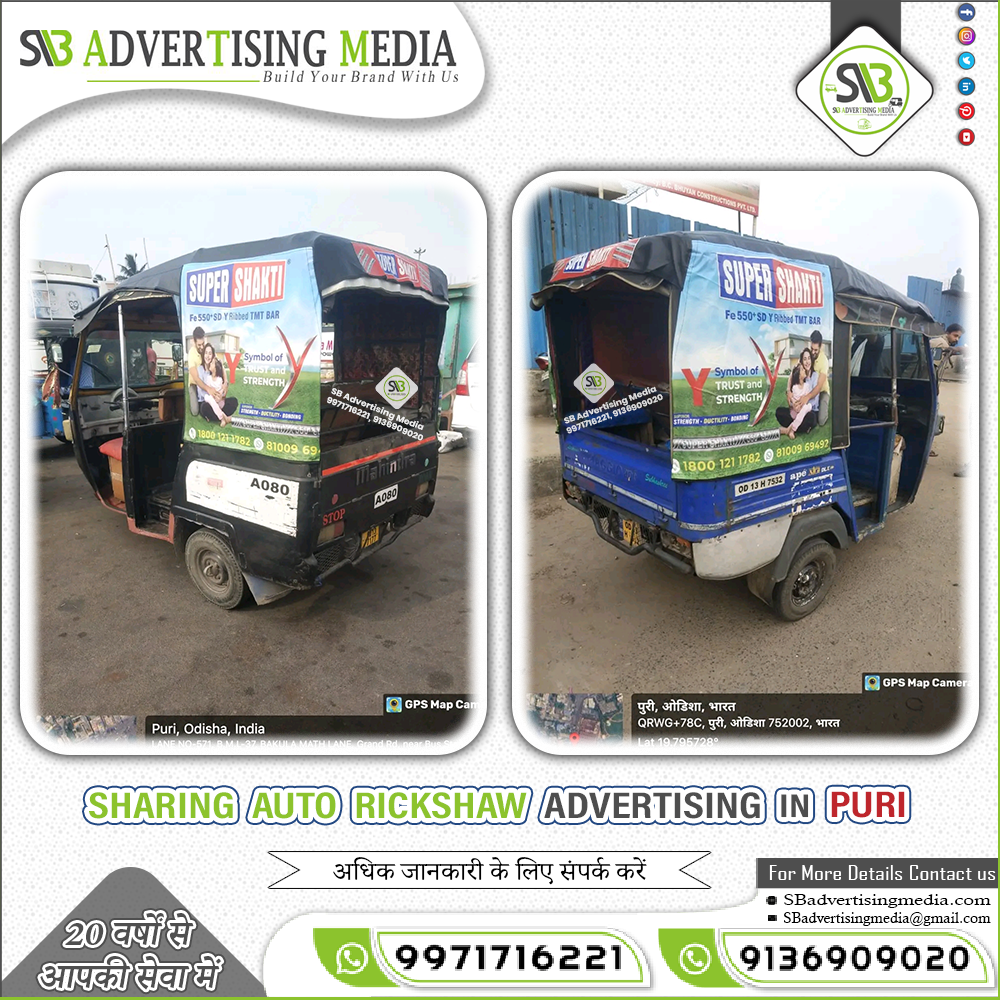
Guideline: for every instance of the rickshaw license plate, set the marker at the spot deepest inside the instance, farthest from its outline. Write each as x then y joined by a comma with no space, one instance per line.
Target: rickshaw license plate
371,536
631,532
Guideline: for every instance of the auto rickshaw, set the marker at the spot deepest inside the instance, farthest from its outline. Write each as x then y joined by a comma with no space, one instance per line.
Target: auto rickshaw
683,363
269,408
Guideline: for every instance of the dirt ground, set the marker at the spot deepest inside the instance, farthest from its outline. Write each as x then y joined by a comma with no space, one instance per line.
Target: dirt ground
122,630
604,621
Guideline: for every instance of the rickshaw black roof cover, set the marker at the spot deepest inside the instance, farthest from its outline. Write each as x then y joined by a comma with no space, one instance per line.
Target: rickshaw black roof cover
664,259
335,260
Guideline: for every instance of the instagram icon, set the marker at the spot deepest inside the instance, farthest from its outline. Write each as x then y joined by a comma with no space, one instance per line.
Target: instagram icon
966,35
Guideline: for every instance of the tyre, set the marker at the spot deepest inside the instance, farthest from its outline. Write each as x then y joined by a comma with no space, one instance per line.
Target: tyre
214,569
809,579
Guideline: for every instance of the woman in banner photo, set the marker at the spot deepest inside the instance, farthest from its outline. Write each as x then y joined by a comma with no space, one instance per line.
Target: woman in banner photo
212,401
802,413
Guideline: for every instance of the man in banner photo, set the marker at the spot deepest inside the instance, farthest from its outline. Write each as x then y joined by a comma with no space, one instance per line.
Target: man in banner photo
743,321
257,322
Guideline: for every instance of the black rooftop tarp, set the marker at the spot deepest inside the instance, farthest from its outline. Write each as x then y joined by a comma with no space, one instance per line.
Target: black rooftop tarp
665,257
334,260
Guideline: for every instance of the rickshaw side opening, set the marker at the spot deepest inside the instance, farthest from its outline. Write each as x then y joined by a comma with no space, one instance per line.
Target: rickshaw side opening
778,525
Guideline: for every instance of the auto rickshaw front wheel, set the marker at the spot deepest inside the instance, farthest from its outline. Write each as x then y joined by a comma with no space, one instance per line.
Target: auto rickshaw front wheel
810,576
214,569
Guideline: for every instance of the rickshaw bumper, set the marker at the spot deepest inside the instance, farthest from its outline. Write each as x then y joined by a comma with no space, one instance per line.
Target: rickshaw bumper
350,550
636,535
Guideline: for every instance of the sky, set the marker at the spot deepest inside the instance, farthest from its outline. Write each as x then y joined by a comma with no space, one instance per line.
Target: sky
162,215
891,224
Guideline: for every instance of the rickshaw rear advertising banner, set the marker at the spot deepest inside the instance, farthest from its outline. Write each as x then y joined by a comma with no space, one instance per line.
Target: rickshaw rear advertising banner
751,363
251,338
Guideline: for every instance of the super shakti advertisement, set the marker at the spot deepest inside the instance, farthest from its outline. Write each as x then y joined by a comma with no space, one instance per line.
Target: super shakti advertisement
750,363
251,331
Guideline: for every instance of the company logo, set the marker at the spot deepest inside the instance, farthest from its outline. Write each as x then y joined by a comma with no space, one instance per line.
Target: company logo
873,682
393,704
966,11
233,285
966,60
394,266
396,388
966,137
966,36
865,86
768,282
51,47
593,383
966,85
388,263
615,255
295,363
966,111
864,90
253,47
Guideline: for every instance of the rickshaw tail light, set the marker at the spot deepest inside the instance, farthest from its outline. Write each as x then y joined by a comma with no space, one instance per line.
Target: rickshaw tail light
673,543
422,488
330,532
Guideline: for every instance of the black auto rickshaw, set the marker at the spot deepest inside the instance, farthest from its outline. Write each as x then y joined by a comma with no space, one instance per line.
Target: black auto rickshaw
269,408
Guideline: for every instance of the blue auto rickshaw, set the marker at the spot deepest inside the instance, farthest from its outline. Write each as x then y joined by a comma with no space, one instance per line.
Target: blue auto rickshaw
737,407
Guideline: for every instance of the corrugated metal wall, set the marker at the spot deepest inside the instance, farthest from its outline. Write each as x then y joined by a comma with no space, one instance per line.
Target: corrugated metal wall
566,222
925,290
647,223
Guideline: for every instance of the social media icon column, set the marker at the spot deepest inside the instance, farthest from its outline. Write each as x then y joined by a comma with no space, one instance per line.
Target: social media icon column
966,60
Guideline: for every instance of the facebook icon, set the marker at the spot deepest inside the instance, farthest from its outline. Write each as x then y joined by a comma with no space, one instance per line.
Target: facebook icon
966,60
966,85
966,12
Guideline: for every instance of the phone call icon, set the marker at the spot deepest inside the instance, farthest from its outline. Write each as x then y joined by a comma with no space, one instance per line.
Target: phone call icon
695,959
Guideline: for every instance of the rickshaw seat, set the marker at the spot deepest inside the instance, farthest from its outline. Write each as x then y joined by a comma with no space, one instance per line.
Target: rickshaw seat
112,448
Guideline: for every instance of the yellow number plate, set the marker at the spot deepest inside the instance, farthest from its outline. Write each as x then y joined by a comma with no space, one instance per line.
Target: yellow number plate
371,536
631,532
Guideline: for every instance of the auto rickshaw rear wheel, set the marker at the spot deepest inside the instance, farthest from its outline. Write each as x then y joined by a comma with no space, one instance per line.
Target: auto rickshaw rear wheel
214,569
809,579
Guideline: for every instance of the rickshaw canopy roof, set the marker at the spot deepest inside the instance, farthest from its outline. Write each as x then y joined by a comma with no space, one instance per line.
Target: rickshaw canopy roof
337,262
663,259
